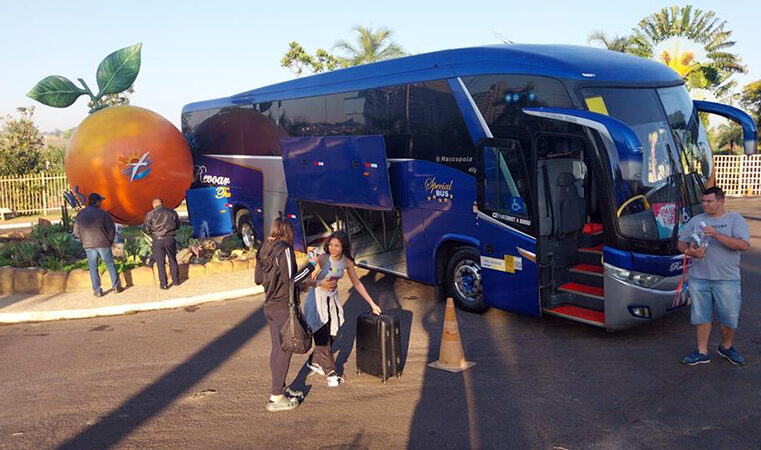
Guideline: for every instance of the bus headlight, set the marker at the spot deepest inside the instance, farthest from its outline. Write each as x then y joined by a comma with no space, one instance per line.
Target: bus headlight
647,280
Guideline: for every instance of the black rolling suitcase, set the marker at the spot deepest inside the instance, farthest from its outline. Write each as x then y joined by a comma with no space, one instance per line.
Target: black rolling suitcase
379,346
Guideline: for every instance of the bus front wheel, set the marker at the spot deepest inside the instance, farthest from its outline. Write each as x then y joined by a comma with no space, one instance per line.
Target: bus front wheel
464,280
246,230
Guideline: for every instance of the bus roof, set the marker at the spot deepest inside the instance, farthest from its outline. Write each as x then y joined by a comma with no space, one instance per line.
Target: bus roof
569,62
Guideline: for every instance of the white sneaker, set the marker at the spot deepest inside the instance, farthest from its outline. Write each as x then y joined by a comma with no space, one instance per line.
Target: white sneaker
334,380
315,368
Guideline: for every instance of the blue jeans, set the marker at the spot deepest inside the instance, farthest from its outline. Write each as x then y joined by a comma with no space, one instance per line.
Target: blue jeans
92,261
722,295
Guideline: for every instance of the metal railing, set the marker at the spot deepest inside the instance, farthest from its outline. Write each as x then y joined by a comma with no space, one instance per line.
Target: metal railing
738,174
33,193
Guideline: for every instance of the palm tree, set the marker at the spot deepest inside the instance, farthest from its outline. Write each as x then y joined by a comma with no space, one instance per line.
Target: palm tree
729,139
371,46
622,44
700,27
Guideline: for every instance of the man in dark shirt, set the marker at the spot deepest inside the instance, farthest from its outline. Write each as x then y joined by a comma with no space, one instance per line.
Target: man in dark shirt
95,229
161,224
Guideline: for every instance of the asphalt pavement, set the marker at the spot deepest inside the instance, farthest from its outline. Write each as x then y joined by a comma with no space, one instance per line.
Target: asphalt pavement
198,377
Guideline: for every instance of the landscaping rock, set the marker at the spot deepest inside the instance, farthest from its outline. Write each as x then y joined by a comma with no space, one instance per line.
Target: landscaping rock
218,267
54,282
156,278
184,256
184,268
43,222
125,278
6,280
78,280
196,271
28,280
240,264
143,276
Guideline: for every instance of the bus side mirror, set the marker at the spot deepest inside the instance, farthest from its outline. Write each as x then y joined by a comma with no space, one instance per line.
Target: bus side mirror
750,131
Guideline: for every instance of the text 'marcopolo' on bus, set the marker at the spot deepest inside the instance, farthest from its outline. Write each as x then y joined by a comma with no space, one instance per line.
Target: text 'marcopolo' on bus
539,179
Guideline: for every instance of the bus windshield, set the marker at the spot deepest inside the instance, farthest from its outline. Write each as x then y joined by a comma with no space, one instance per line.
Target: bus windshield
652,196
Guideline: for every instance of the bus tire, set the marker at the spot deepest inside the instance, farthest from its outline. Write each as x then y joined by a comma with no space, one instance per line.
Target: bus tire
245,229
464,280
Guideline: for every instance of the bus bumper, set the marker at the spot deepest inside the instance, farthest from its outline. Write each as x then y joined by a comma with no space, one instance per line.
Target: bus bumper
628,304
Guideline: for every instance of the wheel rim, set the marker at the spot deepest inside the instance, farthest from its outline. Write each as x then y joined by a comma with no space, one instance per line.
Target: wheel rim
247,234
467,281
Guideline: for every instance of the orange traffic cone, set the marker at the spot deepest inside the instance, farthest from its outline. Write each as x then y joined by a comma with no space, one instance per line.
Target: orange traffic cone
451,355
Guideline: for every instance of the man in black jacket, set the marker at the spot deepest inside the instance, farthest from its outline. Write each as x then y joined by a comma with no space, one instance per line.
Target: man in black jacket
95,229
161,224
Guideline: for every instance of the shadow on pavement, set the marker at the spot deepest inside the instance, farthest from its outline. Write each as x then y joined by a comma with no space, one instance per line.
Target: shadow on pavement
155,398
542,383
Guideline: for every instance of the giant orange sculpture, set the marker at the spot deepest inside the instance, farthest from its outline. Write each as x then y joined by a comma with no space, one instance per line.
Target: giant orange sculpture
127,154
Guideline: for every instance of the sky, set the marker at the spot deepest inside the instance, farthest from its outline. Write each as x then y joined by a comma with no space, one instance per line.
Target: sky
199,50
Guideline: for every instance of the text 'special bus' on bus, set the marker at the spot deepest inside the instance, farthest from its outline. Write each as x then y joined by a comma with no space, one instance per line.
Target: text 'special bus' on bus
539,179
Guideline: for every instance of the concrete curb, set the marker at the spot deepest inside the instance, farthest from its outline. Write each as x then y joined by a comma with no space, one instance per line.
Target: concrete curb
115,310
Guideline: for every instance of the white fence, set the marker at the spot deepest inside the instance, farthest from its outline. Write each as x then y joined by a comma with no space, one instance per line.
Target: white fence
738,174
32,194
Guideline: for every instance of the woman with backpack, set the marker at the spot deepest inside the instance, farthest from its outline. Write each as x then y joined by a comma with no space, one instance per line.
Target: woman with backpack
276,270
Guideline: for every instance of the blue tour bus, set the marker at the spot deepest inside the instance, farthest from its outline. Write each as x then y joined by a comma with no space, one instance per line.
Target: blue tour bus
539,179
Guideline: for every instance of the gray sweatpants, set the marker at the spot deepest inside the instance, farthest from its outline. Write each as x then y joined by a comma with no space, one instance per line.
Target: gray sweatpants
280,361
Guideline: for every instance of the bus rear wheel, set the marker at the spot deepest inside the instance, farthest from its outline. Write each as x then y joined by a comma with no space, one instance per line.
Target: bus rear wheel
246,230
464,280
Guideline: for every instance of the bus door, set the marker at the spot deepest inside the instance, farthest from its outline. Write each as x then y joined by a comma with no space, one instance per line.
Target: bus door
505,211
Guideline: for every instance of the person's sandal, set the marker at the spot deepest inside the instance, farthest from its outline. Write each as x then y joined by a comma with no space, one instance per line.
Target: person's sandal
283,404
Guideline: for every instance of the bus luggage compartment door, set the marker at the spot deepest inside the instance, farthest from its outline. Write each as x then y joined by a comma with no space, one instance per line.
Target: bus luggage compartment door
338,170
208,211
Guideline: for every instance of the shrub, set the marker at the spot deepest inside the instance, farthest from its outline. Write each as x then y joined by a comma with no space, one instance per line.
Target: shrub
184,236
26,253
230,243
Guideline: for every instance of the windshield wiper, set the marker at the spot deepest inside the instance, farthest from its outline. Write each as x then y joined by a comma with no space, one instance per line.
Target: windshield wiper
682,194
693,172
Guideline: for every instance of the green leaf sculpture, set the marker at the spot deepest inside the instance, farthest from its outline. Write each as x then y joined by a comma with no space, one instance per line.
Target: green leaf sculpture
116,73
56,91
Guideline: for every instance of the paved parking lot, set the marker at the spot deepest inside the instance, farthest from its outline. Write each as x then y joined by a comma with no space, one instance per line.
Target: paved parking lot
198,378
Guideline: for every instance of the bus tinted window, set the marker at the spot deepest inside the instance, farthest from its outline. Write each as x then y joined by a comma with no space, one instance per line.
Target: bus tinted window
500,99
303,116
345,114
438,130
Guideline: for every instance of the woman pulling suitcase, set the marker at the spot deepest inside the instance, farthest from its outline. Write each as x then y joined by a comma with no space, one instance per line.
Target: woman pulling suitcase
323,309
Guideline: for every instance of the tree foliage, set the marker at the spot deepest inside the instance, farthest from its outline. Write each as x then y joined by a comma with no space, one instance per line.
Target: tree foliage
728,139
21,144
700,27
750,99
616,43
298,60
371,46
678,24
118,99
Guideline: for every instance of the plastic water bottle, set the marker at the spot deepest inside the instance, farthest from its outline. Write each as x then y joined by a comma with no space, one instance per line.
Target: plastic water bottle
699,236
